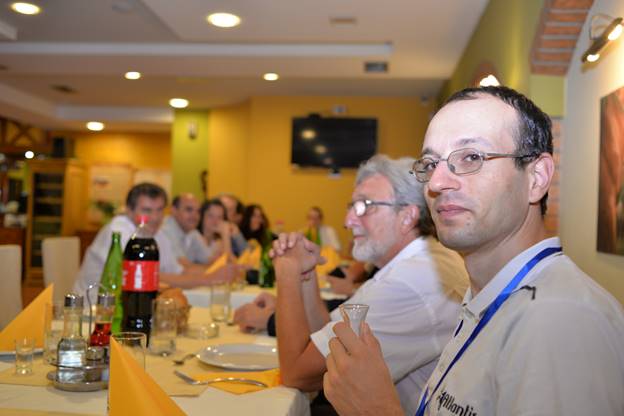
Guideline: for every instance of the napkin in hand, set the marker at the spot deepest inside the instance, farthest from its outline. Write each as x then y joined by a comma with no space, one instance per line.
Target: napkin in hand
30,323
251,256
270,377
219,262
132,391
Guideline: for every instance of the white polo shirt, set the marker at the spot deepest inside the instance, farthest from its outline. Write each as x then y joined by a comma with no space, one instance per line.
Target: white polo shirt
555,347
190,245
414,302
96,254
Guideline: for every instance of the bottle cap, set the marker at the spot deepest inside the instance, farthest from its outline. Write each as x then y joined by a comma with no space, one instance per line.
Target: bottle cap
142,219
73,300
106,299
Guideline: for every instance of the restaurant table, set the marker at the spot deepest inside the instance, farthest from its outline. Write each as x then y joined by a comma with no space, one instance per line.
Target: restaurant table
29,400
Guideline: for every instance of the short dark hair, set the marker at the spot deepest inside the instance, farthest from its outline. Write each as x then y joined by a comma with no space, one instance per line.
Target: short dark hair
533,135
175,202
150,190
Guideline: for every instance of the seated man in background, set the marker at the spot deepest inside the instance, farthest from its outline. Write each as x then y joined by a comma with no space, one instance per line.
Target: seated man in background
234,209
180,228
150,200
414,298
536,335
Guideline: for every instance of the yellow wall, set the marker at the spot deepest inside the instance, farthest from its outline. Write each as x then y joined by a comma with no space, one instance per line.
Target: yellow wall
580,156
503,38
189,155
250,153
142,150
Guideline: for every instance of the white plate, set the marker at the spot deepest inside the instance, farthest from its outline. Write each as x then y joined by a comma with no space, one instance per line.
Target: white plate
240,356
12,353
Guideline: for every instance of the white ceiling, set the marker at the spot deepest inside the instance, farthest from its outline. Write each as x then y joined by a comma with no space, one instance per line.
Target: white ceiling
89,44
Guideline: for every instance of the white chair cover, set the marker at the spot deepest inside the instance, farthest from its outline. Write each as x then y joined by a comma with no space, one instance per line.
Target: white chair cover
61,262
10,283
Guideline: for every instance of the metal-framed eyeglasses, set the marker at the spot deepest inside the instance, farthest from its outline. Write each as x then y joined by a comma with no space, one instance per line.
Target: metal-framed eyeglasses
361,206
460,162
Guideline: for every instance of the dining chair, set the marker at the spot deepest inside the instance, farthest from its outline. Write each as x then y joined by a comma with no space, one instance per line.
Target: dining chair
61,262
10,283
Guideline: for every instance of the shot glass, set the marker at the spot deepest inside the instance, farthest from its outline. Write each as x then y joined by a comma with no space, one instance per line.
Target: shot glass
24,353
354,314
134,343
220,302
164,327
53,330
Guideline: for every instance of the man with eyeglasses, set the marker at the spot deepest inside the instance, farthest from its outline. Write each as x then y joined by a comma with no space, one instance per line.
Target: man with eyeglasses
536,336
413,300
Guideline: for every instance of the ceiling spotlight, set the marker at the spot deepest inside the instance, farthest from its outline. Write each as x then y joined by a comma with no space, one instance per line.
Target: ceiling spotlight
132,75
25,8
270,76
178,103
95,126
489,81
29,154
223,20
611,32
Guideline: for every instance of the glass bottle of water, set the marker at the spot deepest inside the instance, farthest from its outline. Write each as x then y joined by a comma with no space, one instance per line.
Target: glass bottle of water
72,348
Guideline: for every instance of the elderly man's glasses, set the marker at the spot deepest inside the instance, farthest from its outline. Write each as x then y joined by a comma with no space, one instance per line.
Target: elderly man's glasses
460,162
362,205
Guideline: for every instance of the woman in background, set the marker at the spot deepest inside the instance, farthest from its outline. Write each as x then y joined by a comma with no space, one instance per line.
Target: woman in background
319,233
214,228
255,225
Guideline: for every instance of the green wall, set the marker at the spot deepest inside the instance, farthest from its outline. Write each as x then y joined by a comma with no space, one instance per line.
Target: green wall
189,157
503,38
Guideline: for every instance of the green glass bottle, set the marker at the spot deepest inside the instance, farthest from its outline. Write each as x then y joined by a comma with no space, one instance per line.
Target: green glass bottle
266,275
111,279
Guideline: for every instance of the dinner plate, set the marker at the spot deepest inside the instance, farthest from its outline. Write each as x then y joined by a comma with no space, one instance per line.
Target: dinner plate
12,353
240,356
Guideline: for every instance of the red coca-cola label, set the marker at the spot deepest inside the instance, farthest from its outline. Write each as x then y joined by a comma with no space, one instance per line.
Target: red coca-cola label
140,276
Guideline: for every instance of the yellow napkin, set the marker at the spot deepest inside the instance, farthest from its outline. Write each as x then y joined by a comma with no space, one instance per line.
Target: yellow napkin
219,262
332,260
270,377
30,323
132,391
251,257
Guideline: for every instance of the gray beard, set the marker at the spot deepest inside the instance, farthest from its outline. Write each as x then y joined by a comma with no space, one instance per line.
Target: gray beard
368,251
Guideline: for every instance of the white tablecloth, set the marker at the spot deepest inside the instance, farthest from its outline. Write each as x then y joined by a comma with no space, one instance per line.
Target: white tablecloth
276,401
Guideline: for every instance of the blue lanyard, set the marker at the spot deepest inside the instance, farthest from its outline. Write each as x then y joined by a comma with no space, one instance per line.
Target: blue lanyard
489,313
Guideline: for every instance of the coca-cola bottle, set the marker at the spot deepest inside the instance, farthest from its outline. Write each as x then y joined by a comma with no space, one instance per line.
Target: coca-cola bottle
140,279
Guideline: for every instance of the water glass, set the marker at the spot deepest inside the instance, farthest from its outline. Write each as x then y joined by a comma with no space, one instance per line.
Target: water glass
53,330
220,302
354,314
133,343
164,326
24,353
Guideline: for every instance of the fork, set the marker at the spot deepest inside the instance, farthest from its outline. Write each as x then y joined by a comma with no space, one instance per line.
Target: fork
180,361
191,380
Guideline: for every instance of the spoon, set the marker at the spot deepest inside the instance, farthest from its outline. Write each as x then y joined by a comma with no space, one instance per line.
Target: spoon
191,380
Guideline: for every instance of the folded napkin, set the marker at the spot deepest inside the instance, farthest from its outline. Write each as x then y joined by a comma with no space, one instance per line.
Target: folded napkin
251,256
269,377
132,391
219,262
332,260
30,323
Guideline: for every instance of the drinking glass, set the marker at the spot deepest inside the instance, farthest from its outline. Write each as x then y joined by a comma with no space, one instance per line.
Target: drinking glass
24,353
164,326
354,314
53,330
220,302
134,343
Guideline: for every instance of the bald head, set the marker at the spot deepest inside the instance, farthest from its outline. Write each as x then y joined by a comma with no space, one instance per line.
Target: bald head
185,210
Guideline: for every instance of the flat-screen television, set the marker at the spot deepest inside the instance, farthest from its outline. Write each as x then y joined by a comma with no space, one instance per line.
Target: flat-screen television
333,142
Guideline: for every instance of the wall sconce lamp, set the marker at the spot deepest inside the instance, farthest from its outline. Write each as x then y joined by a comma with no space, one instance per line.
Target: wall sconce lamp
611,32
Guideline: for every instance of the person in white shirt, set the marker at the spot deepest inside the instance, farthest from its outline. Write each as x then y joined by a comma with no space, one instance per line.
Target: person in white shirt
319,233
536,335
413,300
188,245
143,199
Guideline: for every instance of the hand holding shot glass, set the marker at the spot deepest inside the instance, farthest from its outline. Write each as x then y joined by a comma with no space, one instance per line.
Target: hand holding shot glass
354,314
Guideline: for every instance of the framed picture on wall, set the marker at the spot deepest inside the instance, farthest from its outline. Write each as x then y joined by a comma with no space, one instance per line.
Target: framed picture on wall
611,188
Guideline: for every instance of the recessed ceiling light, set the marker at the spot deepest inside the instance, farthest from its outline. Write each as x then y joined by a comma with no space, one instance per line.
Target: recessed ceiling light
270,76
29,154
178,103
593,57
132,75
223,19
25,8
95,126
